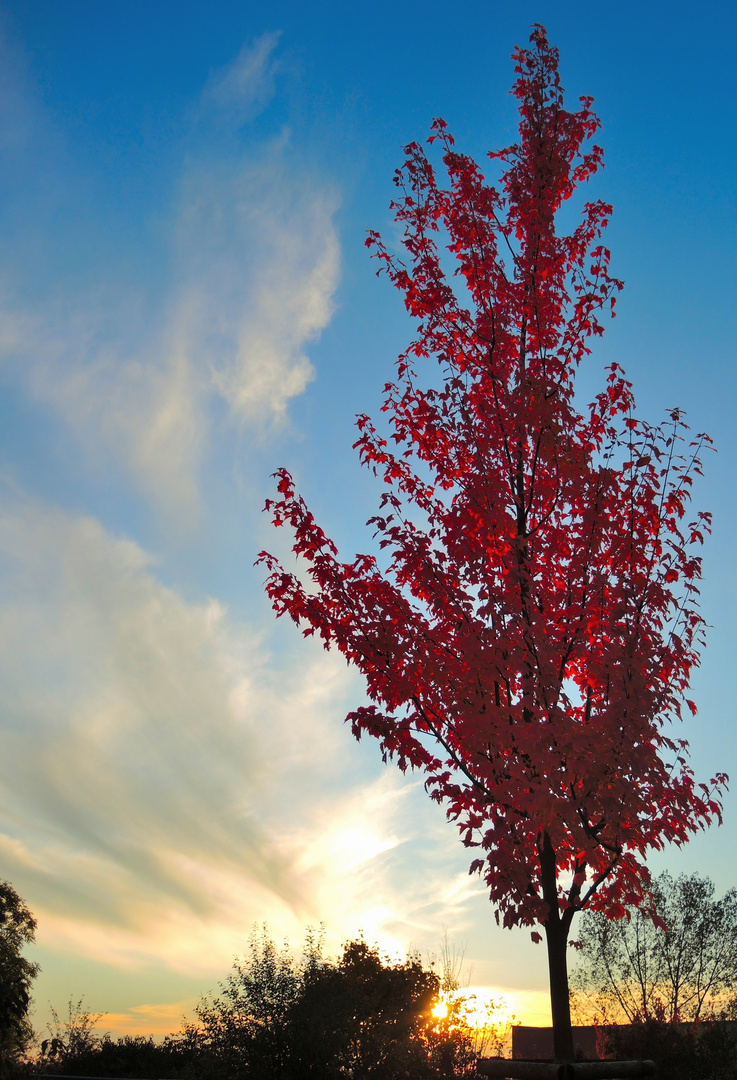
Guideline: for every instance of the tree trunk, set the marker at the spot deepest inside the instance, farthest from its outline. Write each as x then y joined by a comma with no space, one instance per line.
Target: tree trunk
556,937
555,934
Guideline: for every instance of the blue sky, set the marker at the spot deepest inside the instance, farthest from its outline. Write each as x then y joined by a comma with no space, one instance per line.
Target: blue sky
186,304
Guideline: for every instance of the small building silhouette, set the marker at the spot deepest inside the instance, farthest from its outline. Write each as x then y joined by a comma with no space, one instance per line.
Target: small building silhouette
536,1043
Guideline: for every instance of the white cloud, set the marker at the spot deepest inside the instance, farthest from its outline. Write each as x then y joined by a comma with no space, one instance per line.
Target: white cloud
239,91
145,412
355,853
258,258
251,268
163,782
162,785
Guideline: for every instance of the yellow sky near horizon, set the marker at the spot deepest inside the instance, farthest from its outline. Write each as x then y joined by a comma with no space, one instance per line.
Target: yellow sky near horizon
527,1007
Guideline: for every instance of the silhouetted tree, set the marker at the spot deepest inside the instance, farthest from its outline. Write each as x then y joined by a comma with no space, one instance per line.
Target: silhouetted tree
682,1051
244,1029
72,1038
366,1017
17,929
683,970
362,1017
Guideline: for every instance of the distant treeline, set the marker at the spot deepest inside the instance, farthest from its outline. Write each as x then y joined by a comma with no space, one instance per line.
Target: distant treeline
666,992
277,1017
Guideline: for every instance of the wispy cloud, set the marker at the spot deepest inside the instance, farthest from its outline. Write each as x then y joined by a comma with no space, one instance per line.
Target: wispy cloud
164,781
258,264
162,785
154,1019
144,412
239,91
251,268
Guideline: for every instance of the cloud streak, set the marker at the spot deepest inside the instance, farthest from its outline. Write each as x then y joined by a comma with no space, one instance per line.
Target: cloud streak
242,89
164,780
252,267
162,784
259,264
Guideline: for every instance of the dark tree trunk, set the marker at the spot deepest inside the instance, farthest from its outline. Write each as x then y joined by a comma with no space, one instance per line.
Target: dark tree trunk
556,936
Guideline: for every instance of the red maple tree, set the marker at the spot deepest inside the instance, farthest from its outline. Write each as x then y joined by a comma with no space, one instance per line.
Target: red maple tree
532,622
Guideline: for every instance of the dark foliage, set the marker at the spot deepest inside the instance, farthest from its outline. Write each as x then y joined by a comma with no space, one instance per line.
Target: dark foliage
703,1050
362,1017
131,1056
367,1018
17,929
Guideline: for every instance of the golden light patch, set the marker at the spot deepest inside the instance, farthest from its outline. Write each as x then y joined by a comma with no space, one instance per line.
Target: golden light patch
440,1011
157,1020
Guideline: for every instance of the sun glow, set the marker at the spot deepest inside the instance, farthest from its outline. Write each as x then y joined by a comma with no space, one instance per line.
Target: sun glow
440,1011
485,1019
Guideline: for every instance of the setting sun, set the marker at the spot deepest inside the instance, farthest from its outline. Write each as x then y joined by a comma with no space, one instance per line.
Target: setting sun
440,1011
